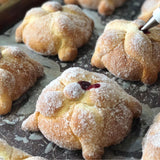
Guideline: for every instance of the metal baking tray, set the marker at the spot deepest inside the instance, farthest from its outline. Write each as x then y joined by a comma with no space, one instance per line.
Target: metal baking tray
34,142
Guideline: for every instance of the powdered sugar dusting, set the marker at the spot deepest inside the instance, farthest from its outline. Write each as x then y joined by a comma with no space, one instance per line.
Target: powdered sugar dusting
13,50
54,85
73,91
155,140
52,6
98,77
18,73
87,120
73,74
74,8
107,93
147,9
127,52
83,115
51,101
35,12
7,82
121,120
141,45
97,4
51,28
153,133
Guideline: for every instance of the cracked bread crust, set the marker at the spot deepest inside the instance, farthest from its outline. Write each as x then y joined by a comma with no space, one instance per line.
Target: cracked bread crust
127,52
78,117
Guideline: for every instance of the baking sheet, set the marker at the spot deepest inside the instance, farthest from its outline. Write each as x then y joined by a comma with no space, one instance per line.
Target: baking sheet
34,142
13,10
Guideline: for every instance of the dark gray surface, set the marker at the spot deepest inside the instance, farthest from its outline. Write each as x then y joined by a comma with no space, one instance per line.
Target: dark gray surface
35,143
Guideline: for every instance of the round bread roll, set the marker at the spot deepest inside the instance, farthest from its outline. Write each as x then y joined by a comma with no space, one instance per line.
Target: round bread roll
147,9
18,72
151,142
54,29
127,52
105,7
83,110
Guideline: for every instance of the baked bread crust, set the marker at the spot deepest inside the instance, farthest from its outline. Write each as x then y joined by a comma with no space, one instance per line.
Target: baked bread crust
18,73
54,29
147,9
127,52
8,152
105,7
151,142
76,116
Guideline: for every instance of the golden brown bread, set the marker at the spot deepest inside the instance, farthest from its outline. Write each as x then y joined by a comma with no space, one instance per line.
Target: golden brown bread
127,52
18,73
151,142
105,7
54,29
83,110
8,152
147,9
